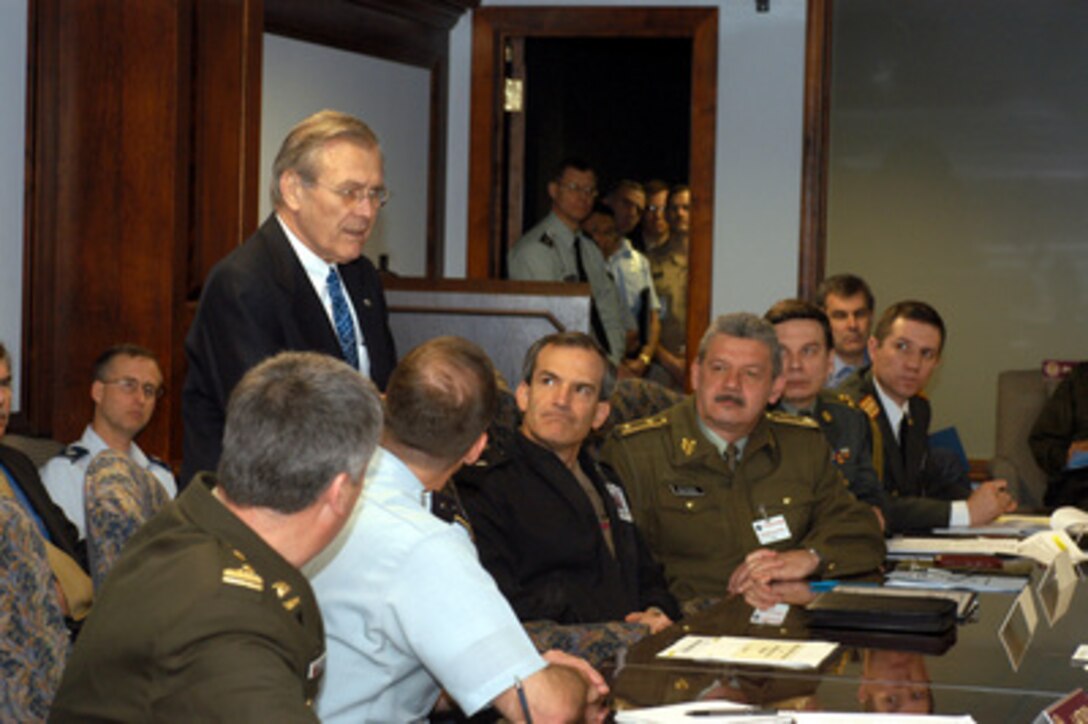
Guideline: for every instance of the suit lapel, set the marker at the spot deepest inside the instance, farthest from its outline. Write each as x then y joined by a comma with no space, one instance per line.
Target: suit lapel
314,327
894,472
916,442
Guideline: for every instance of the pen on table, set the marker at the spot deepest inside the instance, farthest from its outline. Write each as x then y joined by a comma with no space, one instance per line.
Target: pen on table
522,700
831,583
768,714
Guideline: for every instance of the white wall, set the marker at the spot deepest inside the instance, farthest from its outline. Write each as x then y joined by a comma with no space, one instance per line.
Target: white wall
393,98
757,149
13,25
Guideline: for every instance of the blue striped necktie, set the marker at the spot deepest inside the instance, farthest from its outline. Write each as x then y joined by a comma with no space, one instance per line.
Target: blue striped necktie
341,317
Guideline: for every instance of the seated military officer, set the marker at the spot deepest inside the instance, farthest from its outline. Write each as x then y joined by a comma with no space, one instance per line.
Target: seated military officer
552,525
206,616
731,498
127,382
804,333
923,491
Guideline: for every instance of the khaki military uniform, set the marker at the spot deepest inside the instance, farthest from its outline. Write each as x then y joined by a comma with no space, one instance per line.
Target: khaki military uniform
698,517
200,620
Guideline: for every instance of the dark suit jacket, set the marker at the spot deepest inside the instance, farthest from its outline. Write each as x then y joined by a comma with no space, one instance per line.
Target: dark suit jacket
64,535
258,302
538,536
919,487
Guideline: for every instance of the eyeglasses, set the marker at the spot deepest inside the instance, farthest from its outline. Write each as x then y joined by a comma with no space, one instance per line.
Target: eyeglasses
352,196
132,386
589,191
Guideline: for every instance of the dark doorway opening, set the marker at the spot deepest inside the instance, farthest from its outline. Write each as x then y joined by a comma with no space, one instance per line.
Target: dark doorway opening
621,104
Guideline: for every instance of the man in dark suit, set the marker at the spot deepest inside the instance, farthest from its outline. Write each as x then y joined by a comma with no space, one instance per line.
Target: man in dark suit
924,493
284,288
552,525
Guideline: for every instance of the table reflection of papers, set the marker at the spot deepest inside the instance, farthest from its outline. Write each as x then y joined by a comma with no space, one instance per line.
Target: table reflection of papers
742,650
726,712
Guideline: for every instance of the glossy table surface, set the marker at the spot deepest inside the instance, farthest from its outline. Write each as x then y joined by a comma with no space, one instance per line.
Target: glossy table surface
873,672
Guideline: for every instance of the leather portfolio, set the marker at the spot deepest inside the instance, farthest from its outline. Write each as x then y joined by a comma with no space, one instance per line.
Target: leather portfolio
861,611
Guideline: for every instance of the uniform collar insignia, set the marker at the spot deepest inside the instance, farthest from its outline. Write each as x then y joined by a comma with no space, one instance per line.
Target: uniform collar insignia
826,415
244,576
687,444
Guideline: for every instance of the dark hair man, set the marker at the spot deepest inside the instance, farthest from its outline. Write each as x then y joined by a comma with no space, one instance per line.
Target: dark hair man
635,285
805,337
553,527
299,283
126,385
923,493
206,615
731,498
848,302
555,251
408,608
628,200
669,264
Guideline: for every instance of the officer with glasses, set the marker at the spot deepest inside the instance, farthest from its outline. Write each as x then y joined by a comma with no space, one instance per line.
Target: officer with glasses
127,383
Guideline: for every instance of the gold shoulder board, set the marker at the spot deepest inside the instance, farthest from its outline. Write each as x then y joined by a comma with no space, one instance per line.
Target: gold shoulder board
243,576
870,406
646,423
788,419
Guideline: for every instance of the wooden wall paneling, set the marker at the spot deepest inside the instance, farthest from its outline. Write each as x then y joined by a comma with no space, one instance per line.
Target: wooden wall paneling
108,196
813,248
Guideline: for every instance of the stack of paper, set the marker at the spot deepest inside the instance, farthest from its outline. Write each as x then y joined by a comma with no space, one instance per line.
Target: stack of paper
779,653
940,579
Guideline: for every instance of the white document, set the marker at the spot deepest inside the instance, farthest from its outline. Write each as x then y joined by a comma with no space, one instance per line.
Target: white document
1043,547
940,579
731,712
778,653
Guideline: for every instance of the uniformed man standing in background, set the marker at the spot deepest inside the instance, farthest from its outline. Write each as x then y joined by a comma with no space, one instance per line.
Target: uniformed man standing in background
732,499
206,616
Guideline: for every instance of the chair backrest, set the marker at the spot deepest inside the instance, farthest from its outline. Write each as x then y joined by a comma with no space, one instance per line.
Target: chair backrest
40,450
1021,395
119,496
33,635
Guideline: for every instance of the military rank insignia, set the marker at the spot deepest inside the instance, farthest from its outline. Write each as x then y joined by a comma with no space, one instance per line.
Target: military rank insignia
687,445
826,415
841,455
870,406
244,577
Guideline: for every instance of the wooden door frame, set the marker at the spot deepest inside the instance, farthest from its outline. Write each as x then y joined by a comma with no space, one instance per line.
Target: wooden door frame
493,25
812,259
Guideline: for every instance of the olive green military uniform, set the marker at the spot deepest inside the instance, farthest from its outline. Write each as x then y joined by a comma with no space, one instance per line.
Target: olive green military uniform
199,620
698,517
847,431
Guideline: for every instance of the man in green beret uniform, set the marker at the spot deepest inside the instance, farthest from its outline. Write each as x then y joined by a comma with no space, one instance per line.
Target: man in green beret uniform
804,332
206,616
733,499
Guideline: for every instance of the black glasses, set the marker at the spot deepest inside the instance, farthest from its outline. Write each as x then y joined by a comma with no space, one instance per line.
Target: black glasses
132,386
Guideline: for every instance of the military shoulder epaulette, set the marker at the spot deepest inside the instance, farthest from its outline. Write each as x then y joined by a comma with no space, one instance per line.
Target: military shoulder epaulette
788,419
73,453
845,399
870,406
237,572
646,423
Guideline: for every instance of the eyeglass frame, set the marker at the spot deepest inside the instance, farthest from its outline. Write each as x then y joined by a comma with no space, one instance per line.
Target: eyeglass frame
131,385
590,191
353,195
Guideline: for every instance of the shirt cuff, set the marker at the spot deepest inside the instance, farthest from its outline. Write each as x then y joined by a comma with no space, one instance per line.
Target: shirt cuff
959,516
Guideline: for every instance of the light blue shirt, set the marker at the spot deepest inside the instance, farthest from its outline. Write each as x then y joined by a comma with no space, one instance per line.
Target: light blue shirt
840,370
63,475
409,610
631,271
546,254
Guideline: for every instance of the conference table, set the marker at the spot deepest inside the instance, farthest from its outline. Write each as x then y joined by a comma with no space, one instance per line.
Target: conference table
967,672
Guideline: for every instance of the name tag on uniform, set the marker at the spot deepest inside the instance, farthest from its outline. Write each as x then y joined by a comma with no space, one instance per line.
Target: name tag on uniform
773,616
622,509
771,530
687,491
